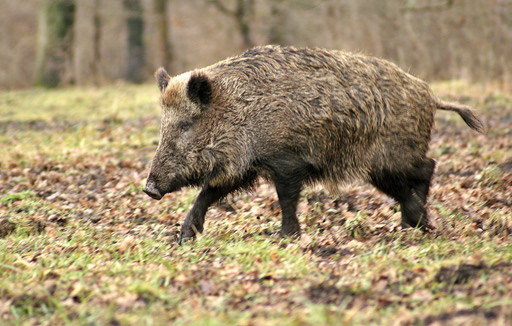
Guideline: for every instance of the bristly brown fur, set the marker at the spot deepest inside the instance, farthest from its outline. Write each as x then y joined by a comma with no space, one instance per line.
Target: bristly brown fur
297,116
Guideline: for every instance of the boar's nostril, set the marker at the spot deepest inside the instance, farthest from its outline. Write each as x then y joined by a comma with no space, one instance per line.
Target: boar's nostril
152,191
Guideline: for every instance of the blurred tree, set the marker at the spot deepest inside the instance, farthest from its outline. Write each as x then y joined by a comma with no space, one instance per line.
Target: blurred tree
55,38
96,66
135,26
278,31
163,32
276,27
280,27
242,15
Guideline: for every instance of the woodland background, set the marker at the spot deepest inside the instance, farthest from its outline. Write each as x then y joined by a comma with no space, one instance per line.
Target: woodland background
86,42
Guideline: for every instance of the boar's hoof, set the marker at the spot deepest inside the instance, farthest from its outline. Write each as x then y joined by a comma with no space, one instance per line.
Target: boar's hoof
185,235
293,232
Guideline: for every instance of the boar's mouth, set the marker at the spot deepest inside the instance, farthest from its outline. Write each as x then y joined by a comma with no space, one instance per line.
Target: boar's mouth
154,195
156,188
152,191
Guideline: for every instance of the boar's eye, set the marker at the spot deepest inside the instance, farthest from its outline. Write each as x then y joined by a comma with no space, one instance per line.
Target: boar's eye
184,126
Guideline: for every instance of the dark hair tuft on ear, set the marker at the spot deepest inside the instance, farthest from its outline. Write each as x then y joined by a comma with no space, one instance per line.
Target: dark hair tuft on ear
199,89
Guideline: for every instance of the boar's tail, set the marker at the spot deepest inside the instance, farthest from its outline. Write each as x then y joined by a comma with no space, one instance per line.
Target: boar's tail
465,112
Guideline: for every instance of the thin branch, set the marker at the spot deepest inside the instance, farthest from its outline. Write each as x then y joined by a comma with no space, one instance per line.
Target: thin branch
447,5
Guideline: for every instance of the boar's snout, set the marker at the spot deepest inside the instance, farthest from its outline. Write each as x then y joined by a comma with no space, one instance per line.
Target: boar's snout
151,190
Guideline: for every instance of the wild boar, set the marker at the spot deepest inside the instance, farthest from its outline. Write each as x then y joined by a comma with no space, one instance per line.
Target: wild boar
296,116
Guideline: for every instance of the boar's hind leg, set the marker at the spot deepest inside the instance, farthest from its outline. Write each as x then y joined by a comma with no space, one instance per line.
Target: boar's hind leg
410,190
422,179
195,218
414,207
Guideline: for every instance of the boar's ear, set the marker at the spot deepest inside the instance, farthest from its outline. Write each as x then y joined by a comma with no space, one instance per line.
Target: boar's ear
199,89
162,78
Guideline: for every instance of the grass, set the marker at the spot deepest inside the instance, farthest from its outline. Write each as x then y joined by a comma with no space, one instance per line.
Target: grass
81,245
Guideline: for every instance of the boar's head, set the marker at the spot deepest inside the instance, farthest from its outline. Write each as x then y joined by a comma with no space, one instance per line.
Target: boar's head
185,153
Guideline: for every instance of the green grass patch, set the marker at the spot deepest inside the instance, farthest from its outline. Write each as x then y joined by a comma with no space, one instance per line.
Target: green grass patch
80,244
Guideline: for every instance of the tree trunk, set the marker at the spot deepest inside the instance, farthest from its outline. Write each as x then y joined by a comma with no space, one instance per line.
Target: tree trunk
162,23
96,65
276,32
55,38
242,15
135,26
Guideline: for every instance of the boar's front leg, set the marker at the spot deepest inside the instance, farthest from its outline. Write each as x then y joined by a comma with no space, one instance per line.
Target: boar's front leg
195,218
288,193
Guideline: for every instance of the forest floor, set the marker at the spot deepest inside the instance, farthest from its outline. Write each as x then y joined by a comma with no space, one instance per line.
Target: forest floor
81,244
